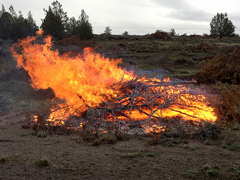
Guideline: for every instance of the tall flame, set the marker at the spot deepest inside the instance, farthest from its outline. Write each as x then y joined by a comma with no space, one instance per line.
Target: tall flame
85,81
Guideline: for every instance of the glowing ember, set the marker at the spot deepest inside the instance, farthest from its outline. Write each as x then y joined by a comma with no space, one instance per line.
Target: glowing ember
85,81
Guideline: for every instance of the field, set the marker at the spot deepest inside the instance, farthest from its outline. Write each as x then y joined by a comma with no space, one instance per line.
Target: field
27,155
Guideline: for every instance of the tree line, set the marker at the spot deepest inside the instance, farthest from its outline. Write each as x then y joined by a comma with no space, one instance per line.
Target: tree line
15,26
57,24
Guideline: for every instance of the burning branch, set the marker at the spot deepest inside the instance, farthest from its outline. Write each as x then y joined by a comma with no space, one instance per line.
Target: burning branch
92,86
148,102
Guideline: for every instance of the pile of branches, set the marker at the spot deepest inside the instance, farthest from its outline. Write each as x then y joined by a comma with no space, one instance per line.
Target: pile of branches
74,40
149,98
113,115
204,46
229,106
224,67
224,71
160,35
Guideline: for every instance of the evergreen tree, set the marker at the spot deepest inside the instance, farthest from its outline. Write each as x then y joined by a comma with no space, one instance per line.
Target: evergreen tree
72,26
55,21
23,27
221,26
108,30
125,33
58,11
3,10
83,27
15,26
12,12
31,21
6,25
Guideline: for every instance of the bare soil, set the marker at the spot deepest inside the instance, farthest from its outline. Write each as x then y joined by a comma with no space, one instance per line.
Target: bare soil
22,156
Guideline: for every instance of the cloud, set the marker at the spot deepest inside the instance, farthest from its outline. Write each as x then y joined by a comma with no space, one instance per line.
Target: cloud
181,10
171,4
190,15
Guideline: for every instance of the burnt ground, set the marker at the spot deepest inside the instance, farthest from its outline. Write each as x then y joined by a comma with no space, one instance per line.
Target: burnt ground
50,156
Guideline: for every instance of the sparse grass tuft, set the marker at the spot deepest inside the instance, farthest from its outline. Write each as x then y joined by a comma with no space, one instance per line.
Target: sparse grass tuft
193,148
208,142
212,173
3,159
140,154
97,142
209,131
235,170
208,171
43,162
169,144
230,146
42,134
25,134
191,174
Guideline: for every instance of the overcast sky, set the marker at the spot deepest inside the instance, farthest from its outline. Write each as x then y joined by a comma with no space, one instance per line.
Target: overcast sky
139,16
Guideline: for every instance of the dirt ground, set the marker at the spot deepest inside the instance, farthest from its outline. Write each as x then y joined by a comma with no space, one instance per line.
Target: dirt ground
25,156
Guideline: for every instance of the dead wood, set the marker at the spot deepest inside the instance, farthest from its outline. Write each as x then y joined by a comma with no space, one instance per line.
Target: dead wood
146,99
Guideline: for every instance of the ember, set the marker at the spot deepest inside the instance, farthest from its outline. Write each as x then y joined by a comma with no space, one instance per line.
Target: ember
96,87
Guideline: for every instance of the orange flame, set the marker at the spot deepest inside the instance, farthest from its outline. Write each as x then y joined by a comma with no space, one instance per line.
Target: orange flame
85,81
39,32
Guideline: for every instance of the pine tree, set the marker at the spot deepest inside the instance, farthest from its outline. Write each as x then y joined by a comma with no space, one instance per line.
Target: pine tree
55,21
31,21
15,26
72,26
6,25
221,26
82,27
12,12
58,11
3,10
108,30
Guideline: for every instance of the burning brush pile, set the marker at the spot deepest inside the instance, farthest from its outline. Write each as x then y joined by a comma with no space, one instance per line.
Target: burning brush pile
95,95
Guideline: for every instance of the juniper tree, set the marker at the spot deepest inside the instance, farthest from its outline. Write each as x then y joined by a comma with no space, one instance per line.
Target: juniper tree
221,26
108,30
55,21
84,27
15,26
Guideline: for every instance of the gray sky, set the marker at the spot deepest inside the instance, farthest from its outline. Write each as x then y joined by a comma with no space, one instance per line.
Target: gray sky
139,16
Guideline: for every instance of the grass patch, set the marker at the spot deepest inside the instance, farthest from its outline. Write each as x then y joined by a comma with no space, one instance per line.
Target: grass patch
3,159
43,162
25,134
140,154
235,171
193,148
170,144
213,172
42,134
208,142
230,146
191,174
